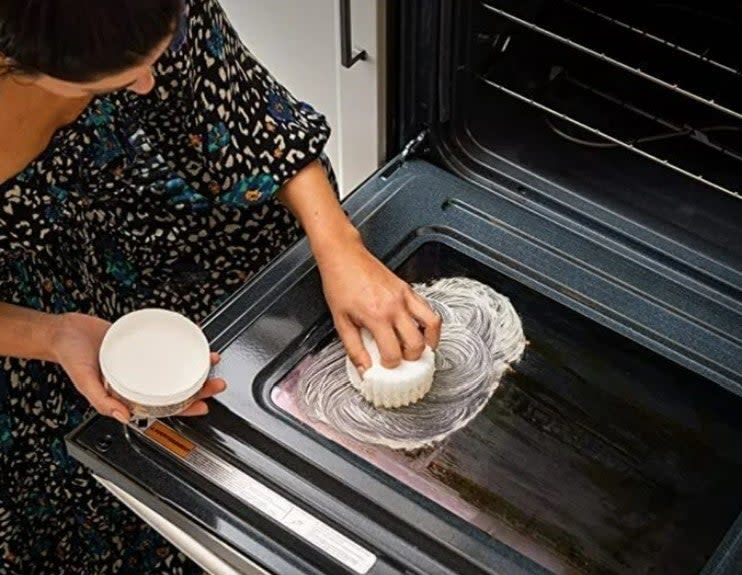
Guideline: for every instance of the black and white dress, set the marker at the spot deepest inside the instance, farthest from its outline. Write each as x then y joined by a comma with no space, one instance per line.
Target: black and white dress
165,200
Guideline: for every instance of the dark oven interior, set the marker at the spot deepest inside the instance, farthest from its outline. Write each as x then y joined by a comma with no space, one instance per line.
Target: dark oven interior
635,106
594,456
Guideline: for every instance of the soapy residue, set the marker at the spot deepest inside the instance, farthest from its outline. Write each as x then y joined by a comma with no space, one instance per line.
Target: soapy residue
481,336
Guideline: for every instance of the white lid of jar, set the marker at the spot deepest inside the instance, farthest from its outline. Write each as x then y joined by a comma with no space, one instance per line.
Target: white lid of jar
155,357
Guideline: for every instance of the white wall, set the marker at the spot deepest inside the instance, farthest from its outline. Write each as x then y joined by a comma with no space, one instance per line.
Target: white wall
299,42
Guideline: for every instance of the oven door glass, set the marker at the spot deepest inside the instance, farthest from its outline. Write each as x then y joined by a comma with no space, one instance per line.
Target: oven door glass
593,456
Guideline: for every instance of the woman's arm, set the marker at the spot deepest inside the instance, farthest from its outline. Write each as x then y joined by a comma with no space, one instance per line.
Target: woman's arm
26,333
310,197
73,340
359,289
252,134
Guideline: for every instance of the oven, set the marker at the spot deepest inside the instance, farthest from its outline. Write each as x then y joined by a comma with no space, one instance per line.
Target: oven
583,158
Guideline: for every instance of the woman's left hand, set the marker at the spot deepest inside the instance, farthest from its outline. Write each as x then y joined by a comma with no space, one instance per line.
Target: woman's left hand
363,292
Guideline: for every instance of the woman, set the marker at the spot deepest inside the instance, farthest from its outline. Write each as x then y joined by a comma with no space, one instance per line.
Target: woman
143,155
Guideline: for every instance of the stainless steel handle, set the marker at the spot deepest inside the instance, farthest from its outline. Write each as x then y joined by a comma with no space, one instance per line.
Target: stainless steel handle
348,55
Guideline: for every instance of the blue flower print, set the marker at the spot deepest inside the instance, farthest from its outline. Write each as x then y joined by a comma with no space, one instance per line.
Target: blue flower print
215,43
101,114
61,303
107,149
253,190
217,138
54,210
181,34
120,269
36,505
52,213
306,108
280,108
6,435
75,415
27,285
60,194
61,457
180,192
25,175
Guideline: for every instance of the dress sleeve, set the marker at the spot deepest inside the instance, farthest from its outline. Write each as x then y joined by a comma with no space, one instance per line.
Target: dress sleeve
252,134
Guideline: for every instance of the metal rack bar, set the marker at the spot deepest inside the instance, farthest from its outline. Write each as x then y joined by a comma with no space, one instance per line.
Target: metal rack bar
653,37
618,141
613,61
690,131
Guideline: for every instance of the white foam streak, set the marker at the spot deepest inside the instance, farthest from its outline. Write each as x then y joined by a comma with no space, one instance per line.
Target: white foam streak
481,336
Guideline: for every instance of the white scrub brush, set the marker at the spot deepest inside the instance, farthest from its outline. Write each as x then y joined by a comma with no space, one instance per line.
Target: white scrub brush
404,385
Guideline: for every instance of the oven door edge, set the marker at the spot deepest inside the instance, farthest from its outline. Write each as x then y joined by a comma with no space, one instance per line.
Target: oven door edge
254,557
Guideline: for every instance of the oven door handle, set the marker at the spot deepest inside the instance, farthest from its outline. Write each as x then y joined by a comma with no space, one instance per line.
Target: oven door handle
348,55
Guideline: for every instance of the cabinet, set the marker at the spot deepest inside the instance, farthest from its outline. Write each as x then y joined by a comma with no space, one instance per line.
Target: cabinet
300,43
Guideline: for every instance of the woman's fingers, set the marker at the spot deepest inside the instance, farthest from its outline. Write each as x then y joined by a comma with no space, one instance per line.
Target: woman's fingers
410,337
212,387
196,409
350,335
426,317
88,382
388,343
397,339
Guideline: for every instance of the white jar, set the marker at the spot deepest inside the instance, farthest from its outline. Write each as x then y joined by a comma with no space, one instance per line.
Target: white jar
155,362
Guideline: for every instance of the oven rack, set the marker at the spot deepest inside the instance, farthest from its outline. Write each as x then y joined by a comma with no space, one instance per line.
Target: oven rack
603,135
614,62
653,37
697,134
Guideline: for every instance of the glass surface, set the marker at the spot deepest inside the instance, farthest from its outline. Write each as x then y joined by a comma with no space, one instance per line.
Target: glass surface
594,456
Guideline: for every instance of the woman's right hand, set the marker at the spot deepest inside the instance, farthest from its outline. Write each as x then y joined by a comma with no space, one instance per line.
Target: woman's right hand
75,345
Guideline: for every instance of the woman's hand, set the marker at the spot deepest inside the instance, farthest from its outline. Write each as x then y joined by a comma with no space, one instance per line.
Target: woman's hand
75,344
362,292
359,289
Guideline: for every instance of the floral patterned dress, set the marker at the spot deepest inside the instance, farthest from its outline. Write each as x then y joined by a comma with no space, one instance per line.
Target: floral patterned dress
163,200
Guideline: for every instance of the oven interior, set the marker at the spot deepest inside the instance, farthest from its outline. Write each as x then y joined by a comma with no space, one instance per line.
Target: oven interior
635,107
595,455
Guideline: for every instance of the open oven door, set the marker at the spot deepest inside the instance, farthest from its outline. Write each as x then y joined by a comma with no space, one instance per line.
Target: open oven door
613,447
614,378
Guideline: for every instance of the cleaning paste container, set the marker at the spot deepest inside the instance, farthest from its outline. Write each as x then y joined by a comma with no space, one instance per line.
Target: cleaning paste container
155,362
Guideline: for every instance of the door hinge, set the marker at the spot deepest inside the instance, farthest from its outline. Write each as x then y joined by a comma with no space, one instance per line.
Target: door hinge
414,146
411,150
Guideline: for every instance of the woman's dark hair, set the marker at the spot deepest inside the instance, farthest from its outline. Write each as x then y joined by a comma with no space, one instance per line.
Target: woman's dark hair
82,40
